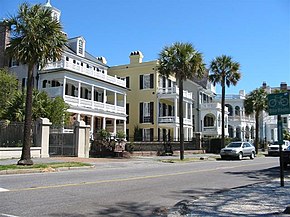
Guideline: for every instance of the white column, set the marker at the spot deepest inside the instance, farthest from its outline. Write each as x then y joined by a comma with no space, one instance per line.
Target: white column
186,110
92,124
124,126
175,134
78,117
190,112
93,96
63,87
115,127
79,92
115,101
175,109
185,134
125,101
104,123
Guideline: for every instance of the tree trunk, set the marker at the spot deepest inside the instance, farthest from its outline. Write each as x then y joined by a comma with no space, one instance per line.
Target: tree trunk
181,132
257,131
26,155
223,113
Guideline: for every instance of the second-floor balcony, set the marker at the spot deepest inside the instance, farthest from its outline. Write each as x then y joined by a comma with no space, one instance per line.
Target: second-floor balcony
173,120
62,64
85,103
165,92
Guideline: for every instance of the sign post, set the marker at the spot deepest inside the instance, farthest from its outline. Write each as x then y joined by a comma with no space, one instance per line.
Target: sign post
279,104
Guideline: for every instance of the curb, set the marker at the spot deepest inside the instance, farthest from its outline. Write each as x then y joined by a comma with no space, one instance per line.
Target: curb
45,170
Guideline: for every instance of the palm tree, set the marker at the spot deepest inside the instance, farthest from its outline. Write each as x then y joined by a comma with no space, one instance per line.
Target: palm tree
36,38
225,72
183,61
256,102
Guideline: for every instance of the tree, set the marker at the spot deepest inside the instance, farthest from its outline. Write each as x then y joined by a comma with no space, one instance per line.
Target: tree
255,103
36,38
183,61
224,71
58,114
8,88
43,106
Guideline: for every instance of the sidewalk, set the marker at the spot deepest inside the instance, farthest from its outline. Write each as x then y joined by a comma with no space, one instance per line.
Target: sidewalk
262,199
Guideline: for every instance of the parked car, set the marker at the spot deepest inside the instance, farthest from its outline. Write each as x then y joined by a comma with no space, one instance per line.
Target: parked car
238,150
273,149
286,157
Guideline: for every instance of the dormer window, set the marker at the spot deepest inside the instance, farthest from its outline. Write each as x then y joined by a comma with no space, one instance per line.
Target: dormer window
81,47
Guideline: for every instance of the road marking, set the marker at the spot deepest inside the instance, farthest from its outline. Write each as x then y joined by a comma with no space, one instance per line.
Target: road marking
7,215
3,189
129,178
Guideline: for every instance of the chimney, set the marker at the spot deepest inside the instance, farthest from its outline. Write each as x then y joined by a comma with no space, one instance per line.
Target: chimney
102,59
4,41
136,57
264,85
242,92
283,86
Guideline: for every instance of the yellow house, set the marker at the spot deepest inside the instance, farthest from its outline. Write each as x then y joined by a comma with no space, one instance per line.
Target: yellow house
152,102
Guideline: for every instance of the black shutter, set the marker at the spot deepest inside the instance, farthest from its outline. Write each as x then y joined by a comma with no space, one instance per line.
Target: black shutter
151,134
141,82
127,112
152,112
141,134
169,110
141,112
151,80
128,82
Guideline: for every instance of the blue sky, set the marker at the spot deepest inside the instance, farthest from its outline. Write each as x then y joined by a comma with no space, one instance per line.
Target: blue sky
256,33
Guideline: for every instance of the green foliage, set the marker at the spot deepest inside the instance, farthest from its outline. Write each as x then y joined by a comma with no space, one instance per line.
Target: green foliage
181,60
256,101
137,133
58,114
120,135
36,37
8,88
224,71
104,134
286,134
15,110
43,106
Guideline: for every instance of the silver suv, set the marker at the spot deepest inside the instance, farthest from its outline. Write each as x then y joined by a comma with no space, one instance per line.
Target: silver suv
238,150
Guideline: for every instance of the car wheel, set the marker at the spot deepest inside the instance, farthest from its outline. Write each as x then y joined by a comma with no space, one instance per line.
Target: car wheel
252,155
240,157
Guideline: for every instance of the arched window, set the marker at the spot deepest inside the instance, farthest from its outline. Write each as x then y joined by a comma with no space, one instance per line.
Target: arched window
209,120
238,133
230,109
231,132
237,111
44,83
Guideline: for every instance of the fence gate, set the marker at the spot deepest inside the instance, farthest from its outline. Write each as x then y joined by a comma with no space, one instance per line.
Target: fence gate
61,143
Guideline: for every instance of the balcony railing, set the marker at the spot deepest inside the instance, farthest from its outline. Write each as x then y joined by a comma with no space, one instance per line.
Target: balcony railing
174,90
62,64
86,103
173,120
241,118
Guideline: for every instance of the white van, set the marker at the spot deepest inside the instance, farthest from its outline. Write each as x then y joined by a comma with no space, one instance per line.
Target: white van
273,149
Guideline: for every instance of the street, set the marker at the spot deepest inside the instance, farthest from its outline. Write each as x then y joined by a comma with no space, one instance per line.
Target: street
128,188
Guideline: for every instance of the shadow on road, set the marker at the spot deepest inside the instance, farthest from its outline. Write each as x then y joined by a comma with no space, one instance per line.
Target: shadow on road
130,209
260,175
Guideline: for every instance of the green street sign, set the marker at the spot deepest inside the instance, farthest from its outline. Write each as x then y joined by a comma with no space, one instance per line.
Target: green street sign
279,103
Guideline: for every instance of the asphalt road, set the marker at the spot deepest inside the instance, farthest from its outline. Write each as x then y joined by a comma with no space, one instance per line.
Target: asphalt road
129,188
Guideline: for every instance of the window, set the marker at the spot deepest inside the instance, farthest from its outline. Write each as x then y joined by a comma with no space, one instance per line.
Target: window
81,47
148,134
208,121
14,63
67,58
146,81
128,82
146,112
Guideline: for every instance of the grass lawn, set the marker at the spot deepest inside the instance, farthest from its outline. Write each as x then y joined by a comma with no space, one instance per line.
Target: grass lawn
44,165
